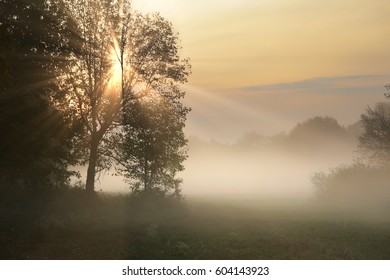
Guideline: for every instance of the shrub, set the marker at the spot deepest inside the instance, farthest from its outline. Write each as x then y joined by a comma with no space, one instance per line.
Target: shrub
355,184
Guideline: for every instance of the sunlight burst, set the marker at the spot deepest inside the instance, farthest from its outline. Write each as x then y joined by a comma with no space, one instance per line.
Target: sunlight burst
116,70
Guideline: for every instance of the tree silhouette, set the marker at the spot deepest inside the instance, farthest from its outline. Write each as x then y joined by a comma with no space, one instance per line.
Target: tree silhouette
35,144
153,147
118,56
375,141
387,94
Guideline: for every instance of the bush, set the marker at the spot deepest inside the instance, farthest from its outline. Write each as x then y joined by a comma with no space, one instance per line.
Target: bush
354,185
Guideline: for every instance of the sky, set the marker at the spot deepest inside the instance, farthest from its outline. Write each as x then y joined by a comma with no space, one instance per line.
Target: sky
265,65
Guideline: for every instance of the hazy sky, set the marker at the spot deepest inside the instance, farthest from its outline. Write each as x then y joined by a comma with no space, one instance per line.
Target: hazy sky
266,65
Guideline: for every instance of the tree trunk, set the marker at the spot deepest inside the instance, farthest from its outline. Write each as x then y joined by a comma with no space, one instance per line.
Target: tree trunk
90,183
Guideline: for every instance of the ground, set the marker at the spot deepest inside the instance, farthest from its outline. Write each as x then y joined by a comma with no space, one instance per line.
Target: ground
118,227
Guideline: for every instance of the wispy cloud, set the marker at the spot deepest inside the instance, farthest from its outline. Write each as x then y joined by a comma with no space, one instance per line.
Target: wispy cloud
323,85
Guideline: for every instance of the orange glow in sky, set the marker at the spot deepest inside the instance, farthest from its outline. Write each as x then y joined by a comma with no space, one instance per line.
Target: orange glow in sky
243,43
274,63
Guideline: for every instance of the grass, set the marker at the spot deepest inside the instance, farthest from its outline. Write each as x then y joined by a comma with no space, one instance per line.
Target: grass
119,227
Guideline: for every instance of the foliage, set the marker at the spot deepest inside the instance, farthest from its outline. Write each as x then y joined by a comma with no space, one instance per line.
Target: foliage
153,146
69,68
323,125
317,132
387,94
35,144
375,141
118,56
357,185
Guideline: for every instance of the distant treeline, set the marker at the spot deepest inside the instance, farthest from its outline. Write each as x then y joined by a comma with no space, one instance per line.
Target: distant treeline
317,135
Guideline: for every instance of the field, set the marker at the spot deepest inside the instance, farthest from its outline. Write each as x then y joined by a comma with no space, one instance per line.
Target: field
120,227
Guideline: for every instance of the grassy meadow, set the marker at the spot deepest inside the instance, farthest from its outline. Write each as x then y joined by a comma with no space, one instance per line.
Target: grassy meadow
122,227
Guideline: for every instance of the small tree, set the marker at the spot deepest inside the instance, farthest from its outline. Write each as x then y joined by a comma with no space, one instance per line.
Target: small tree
153,148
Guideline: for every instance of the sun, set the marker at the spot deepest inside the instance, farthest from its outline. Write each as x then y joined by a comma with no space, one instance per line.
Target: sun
116,69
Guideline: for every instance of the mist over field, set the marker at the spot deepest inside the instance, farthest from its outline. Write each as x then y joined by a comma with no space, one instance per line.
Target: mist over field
317,160
263,167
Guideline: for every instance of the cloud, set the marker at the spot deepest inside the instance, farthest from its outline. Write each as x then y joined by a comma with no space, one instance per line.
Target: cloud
323,85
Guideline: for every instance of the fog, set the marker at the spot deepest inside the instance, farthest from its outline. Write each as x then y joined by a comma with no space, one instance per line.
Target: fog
266,173
264,167
278,167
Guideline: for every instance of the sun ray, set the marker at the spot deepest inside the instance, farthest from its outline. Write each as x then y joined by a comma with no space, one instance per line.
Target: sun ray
116,69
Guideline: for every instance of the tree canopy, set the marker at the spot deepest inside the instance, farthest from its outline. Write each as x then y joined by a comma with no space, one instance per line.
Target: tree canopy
70,69
35,144
375,141
153,146
118,56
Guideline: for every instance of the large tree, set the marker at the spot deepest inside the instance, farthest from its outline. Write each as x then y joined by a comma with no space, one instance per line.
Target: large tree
118,56
35,142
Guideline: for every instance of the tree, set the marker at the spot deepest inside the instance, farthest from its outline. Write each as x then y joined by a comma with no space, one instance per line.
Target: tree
387,94
375,141
35,143
118,56
317,127
153,147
